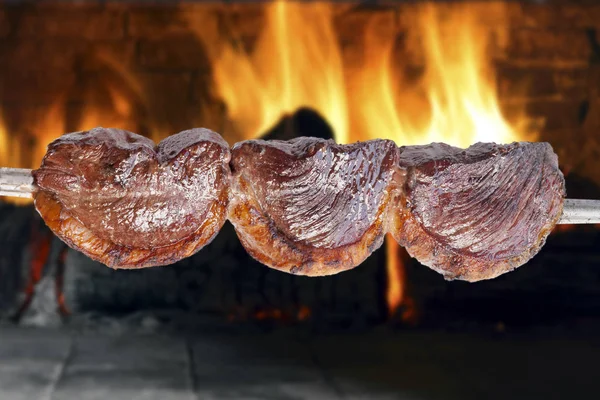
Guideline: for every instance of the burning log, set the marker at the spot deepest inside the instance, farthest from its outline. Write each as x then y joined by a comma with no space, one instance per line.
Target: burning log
129,166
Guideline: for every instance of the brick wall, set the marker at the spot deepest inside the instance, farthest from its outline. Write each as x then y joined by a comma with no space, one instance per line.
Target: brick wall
73,54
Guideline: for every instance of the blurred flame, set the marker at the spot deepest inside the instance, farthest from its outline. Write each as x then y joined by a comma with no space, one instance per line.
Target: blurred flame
110,100
26,148
296,62
49,127
120,115
455,101
4,145
395,275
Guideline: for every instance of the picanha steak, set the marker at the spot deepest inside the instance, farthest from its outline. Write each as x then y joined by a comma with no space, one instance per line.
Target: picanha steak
309,206
477,213
305,206
122,200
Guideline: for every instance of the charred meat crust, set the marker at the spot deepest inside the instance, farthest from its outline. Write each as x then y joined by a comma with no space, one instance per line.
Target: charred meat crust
267,244
477,213
306,206
309,206
128,203
80,238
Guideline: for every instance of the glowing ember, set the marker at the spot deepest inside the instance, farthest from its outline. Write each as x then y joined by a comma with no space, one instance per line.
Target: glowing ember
5,153
40,244
271,314
59,281
395,275
303,313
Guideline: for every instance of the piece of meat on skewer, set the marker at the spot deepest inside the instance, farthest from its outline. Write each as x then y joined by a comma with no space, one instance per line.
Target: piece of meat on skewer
306,206
309,206
123,201
477,213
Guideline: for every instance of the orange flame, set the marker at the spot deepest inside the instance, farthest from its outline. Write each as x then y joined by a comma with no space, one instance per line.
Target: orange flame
455,100
5,152
296,62
395,275
26,149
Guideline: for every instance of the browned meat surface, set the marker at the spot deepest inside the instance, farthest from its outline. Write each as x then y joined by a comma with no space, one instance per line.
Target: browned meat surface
309,206
127,203
477,213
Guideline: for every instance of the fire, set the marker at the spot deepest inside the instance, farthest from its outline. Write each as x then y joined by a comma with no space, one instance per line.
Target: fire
120,114
25,149
4,144
395,269
111,100
49,127
454,101
297,62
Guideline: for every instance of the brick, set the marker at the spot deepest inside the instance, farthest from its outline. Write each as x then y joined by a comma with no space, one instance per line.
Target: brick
168,97
580,15
351,26
5,25
243,22
247,18
572,84
548,45
362,30
157,22
532,15
40,54
61,22
169,87
488,14
554,114
182,52
514,82
567,143
578,155
33,87
99,55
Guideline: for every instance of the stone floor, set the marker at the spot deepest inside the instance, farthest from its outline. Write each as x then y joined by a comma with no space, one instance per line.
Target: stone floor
65,365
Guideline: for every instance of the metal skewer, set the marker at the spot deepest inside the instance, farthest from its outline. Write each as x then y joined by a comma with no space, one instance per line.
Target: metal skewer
577,211
18,182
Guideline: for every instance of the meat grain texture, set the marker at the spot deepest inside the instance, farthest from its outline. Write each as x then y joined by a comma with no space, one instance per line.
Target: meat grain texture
477,213
309,206
306,206
123,201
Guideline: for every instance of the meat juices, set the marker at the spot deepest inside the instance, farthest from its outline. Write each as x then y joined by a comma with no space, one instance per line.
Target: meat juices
309,206
477,213
127,203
